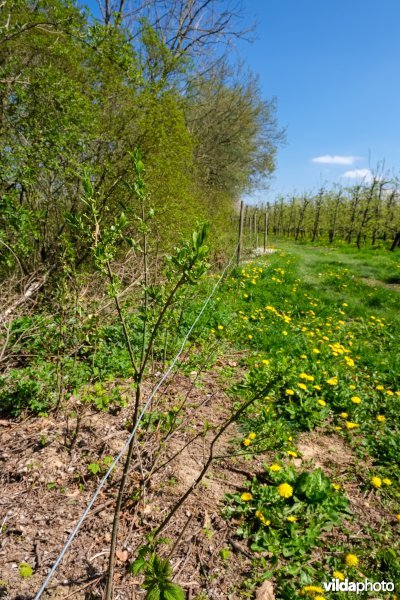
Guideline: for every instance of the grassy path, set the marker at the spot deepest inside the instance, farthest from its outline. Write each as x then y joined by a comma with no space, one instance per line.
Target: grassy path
327,500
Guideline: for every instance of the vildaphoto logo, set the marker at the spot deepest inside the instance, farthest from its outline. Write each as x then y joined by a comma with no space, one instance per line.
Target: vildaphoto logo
336,585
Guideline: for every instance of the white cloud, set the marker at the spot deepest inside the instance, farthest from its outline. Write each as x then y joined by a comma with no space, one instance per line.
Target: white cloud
364,174
328,159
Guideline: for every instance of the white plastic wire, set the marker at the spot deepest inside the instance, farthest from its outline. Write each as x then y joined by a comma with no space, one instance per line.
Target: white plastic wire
122,452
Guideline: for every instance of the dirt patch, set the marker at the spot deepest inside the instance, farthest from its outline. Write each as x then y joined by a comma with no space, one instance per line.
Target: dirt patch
395,287
338,461
46,486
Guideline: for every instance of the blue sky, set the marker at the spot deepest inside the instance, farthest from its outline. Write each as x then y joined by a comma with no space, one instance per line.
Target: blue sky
334,67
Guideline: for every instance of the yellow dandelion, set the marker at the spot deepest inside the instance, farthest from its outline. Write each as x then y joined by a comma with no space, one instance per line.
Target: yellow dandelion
302,386
246,496
398,517
381,418
292,519
290,392
321,402
332,381
312,588
265,361
376,482
315,350
390,393
344,415
275,468
291,453
351,425
336,486
387,481
351,560
220,327
303,356
352,387
246,442
339,575
356,399
317,387
285,490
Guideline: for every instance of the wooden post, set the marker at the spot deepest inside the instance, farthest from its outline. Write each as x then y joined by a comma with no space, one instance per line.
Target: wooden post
256,227
239,249
266,216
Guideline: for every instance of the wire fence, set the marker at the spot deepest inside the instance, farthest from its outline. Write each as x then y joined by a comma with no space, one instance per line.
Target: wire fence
131,436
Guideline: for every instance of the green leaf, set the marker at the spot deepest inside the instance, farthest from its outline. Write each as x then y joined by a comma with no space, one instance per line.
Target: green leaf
315,486
172,591
137,566
25,570
94,468
153,593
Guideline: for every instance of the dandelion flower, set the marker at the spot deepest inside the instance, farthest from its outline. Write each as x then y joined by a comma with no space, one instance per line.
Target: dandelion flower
265,361
262,518
220,327
376,482
387,481
317,387
344,415
381,418
321,402
351,425
332,381
246,442
252,436
246,496
352,387
292,519
312,588
316,351
275,468
336,486
302,386
379,387
290,392
351,560
356,399
398,517
285,490
339,575
292,453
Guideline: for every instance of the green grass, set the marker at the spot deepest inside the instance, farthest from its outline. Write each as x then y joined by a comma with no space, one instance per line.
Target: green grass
307,315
